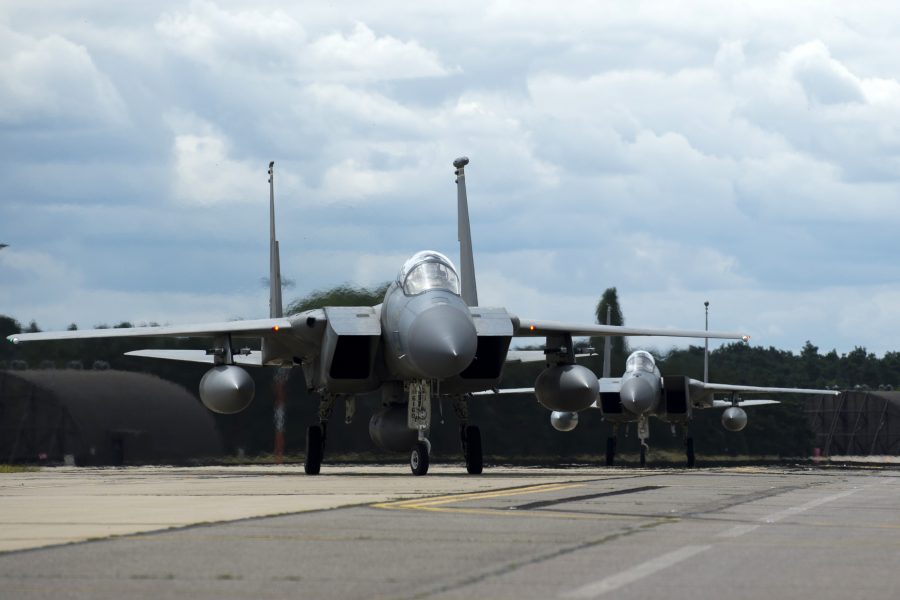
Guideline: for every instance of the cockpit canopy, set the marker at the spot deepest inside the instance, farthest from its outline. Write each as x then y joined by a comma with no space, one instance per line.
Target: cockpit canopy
640,361
428,270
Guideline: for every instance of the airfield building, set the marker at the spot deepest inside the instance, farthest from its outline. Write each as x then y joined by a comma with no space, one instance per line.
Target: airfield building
101,418
856,423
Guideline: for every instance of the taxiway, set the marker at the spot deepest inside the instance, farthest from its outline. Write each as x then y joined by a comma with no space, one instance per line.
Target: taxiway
377,532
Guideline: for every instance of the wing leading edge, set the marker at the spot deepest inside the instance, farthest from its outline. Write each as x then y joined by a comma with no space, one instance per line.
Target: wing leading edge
252,328
537,328
754,389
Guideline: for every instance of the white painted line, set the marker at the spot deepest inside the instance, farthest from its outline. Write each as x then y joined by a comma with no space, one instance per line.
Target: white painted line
654,565
775,517
636,573
737,531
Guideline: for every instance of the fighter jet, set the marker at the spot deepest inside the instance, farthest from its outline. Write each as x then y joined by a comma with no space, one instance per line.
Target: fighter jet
428,338
642,392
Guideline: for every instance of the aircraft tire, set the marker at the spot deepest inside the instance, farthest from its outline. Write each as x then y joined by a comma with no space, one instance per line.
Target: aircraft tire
689,451
418,459
643,455
474,462
610,451
313,463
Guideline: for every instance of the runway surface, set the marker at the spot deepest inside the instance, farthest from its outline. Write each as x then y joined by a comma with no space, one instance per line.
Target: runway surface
377,532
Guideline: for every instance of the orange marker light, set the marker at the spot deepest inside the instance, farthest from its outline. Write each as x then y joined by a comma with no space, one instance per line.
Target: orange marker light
275,328
531,327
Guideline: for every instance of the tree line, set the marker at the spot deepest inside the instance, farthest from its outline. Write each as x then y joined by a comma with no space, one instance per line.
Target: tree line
514,427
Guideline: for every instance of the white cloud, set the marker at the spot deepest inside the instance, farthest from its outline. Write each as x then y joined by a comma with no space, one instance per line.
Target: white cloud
363,56
678,152
823,79
275,42
217,37
205,171
51,81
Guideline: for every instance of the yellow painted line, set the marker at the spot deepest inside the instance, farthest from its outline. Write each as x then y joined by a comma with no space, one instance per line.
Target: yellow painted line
424,503
438,504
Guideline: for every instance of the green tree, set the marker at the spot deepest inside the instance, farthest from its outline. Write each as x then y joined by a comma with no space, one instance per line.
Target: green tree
610,300
342,295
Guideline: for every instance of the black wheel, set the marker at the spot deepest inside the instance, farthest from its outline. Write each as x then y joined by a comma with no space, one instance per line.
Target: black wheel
610,451
313,463
418,460
474,463
643,455
689,451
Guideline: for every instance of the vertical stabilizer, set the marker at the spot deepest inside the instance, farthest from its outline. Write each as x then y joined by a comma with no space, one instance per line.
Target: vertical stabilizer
607,345
275,309
466,257
706,346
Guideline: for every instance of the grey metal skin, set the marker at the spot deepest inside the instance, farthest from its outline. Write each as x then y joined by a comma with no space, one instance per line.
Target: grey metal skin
227,389
427,336
640,390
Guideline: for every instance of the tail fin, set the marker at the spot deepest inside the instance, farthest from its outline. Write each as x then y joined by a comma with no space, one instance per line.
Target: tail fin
466,257
275,307
706,346
607,345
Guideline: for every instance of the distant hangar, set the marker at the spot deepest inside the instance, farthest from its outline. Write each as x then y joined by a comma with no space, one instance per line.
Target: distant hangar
101,418
856,423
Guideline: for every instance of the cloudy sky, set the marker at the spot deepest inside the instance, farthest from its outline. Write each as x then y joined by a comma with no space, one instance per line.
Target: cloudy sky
747,154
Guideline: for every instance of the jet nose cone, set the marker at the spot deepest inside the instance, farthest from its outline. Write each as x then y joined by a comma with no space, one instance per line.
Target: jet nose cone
638,395
442,342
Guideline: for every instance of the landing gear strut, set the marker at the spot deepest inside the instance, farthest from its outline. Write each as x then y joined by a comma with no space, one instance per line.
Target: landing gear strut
610,451
471,447
689,452
469,436
643,429
419,418
316,436
315,449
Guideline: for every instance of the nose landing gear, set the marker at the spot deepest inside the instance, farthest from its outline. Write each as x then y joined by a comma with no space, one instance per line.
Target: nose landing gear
419,458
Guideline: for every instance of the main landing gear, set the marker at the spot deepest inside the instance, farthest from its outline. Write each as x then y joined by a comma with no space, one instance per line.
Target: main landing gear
470,438
689,451
315,449
611,446
316,434
469,435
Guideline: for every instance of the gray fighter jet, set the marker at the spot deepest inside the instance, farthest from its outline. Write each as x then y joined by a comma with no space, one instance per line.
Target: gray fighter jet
642,392
428,338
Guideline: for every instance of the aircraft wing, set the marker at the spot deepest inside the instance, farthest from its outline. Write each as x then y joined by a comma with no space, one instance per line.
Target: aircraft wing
753,389
536,328
253,328
197,356
702,393
755,402
505,391
607,384
533,356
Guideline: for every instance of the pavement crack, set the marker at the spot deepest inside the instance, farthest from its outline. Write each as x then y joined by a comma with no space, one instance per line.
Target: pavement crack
534,560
